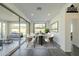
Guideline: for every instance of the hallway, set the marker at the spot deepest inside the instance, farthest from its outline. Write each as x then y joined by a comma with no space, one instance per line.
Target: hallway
42,23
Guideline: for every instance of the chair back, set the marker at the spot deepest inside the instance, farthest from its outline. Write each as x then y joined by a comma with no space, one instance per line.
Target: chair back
1,42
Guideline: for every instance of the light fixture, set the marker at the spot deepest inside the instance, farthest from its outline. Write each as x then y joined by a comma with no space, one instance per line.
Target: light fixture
32,14
49,14
39,8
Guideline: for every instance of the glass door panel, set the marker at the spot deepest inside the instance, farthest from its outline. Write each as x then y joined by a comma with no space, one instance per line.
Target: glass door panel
23,29
9,31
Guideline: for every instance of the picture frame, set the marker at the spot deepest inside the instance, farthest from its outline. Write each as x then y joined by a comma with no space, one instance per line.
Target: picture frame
55,26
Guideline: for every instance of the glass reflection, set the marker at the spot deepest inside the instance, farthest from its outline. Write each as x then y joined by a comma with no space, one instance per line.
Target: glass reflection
9,32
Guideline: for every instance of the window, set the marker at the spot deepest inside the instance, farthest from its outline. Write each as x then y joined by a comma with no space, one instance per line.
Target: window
55,27
14,27
23,29
4,29
10,24
39,27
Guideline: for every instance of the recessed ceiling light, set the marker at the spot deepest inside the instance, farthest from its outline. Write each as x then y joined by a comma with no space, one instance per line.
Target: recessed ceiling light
32,14
49,14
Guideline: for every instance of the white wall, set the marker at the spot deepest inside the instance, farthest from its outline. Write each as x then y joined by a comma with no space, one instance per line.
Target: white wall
68,42
60,36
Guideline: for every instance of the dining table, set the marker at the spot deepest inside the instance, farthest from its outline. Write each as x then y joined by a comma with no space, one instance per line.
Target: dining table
40,38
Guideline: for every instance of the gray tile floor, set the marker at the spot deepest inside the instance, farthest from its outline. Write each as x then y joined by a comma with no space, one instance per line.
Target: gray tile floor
75,51
47,49
7,48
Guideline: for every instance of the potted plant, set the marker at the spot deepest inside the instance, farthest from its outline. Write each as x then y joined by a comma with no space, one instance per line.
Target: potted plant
46,30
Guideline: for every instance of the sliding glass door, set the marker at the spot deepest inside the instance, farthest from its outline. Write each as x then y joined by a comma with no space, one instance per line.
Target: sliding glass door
23,28
13,30
14,27
9,31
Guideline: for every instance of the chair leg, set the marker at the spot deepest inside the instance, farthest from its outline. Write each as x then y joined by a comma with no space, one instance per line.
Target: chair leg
1,48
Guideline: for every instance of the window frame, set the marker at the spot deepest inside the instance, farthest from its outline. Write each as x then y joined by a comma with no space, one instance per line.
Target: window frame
39,27
56,29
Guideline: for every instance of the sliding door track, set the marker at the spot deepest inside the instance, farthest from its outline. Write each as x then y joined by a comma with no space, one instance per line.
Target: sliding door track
11,52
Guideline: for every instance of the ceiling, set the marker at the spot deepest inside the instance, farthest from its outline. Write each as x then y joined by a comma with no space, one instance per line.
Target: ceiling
6,15
40,12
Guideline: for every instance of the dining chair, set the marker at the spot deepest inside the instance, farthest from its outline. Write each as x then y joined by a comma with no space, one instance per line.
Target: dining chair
1,44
